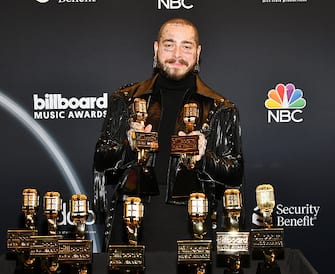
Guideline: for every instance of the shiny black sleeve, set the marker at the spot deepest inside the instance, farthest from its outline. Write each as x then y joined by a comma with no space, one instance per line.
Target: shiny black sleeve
223,158
112,147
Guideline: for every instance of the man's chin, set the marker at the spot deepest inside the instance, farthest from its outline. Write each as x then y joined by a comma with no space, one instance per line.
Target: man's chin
174,74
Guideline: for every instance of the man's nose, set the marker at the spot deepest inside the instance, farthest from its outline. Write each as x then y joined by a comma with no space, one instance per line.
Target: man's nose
177,52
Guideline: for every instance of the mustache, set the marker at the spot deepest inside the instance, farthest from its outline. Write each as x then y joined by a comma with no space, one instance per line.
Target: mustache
174,60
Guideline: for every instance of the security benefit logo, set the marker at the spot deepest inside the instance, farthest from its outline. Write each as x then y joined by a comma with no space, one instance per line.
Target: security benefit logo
285,104
305,215
56,106
297,215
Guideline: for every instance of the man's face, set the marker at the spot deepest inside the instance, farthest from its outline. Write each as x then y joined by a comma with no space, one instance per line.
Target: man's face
177,51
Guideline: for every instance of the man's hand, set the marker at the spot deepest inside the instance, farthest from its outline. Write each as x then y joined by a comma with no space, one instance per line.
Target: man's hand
139,127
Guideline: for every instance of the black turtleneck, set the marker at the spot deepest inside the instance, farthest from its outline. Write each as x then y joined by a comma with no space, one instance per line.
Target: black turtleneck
172,96
164,224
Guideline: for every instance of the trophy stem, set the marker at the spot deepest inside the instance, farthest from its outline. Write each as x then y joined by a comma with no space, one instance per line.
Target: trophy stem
201,269
49,266
52,226
80,230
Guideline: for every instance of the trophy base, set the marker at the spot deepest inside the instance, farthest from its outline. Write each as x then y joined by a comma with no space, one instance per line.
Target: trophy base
126,258
265,268
229,271
191,269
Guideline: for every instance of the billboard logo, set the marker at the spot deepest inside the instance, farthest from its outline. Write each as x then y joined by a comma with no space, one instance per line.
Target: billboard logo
55,106
285,104
42,1
174,4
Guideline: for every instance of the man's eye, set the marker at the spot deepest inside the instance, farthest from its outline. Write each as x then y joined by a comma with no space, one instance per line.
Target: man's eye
188,47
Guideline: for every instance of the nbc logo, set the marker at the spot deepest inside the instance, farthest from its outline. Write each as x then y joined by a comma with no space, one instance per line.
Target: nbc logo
285,104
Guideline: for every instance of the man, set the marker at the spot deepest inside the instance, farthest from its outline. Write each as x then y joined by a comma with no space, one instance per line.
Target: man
164,179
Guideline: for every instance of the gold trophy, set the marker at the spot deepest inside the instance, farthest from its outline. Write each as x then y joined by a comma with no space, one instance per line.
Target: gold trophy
77,252
129,258
198,210
143,141
265,199
267,241
46,248
52,208
132,215
196,254
79,214
187,146
233,205
30,205
19,240
232,244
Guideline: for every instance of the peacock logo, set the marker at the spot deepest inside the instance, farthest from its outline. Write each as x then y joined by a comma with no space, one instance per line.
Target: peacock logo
285,96
284,103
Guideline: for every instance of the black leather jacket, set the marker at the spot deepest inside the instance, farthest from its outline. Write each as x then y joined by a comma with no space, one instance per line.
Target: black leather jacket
221,167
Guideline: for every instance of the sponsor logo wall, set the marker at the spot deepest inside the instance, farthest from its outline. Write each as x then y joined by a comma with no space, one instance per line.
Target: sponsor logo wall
61,58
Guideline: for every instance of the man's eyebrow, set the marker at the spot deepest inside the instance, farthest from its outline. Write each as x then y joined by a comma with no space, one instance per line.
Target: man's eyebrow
168,40
188,42
182,42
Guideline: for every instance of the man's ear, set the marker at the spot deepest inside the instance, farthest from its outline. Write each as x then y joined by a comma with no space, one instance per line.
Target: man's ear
155,48
198,53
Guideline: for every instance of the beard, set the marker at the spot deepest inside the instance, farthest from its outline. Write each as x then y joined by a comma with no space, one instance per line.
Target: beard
172,73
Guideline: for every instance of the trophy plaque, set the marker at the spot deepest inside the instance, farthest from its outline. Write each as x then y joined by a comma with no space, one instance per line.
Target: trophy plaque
264,240
194,254
232,250
184,144
126,258
194,251
232,243
75,251
187,144
18,240
44,246
145,140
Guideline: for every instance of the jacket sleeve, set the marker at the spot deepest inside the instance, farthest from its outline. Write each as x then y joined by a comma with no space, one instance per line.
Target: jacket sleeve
223,158
112,148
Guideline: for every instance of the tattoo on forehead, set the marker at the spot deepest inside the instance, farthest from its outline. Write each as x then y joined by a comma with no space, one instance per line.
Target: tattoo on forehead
163,30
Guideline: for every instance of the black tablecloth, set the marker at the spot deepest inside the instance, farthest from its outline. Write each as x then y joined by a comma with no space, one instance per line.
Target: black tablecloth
294,262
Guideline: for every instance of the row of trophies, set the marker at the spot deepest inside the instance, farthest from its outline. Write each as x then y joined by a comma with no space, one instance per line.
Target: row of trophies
195,254
51,253
47,253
